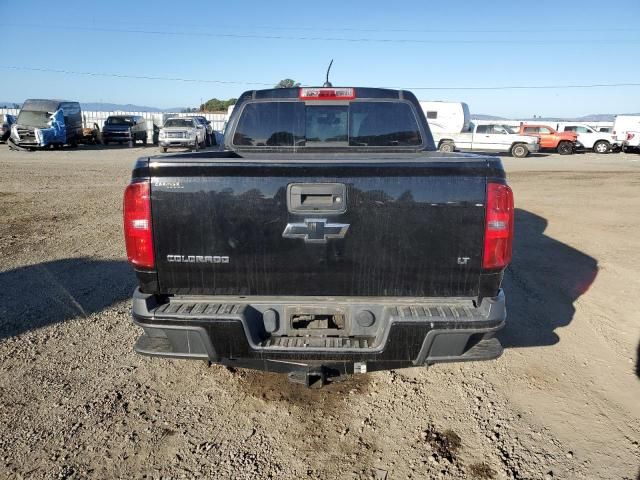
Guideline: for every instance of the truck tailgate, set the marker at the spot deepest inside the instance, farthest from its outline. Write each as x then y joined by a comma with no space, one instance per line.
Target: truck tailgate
243,227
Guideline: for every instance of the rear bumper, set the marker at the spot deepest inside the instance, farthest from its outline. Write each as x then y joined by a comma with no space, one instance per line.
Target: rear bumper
234,331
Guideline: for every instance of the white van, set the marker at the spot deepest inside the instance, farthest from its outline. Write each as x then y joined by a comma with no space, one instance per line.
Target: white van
446,116
626,130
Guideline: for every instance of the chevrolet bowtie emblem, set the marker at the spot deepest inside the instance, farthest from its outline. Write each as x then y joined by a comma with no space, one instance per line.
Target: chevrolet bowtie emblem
315,230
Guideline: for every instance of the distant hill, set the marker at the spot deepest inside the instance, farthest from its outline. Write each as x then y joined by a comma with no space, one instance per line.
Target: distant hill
479,116
128,107
602,117
110,107
594,117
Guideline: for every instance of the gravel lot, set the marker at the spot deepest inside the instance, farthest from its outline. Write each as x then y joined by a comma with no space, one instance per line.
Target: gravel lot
76,402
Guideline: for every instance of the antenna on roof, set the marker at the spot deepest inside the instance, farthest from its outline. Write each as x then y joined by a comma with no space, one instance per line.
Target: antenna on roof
327,83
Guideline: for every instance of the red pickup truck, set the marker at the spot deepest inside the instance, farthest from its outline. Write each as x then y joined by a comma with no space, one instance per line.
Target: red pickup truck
563,142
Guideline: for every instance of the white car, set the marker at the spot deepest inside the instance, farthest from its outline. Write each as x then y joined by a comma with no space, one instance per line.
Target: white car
589,138
489,137
183,132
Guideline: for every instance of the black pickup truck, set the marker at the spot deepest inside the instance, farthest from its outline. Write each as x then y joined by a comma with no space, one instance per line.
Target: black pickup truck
328,238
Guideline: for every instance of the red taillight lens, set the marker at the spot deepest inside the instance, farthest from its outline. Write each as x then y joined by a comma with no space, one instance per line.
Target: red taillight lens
630,136
137,225
330,93
498,231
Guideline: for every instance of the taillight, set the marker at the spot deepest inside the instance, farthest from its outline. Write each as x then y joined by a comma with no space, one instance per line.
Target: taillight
630,136
498,231
327,93
137,225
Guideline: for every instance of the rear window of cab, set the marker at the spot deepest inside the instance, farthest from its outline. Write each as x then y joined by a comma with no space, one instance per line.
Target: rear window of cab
299,124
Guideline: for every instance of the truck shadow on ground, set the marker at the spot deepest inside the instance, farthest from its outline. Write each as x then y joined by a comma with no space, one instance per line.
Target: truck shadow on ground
51,292
542,283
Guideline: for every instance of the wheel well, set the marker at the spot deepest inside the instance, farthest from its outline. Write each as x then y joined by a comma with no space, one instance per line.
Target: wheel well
518,143
446,140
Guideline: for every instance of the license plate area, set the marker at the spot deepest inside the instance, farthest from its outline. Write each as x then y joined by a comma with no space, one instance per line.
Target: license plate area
317,321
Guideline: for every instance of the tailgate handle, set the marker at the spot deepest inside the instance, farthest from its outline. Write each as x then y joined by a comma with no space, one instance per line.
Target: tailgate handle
317,197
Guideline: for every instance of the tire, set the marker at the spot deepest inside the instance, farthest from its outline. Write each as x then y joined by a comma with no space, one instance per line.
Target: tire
565,148
145,138
163,149
195,145
601,146
105,142
447,147
207,140
519,150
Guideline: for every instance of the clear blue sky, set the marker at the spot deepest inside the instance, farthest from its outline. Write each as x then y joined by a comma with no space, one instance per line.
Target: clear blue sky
497,43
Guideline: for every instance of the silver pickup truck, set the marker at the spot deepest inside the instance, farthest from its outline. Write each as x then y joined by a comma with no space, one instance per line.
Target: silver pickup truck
184,132
493,137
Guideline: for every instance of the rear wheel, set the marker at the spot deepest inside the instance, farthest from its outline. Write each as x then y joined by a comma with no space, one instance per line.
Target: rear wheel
519,150
565,148
195,145
601,146
447,147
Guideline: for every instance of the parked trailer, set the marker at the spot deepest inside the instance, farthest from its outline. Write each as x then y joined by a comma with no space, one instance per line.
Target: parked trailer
446,116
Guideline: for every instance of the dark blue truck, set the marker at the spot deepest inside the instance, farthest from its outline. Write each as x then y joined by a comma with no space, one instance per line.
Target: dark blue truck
328,238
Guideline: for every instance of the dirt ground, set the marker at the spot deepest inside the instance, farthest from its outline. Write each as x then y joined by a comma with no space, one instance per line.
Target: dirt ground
563,402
